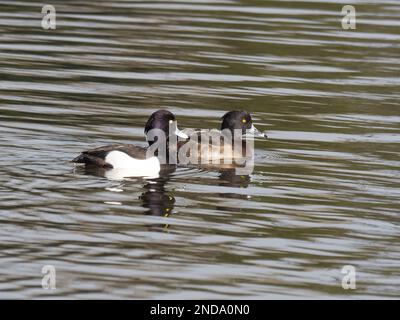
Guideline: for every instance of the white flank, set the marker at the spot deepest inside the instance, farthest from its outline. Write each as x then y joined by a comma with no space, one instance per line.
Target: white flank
131,167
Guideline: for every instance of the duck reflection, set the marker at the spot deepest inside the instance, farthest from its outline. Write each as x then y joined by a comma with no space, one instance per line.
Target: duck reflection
156,199
229,178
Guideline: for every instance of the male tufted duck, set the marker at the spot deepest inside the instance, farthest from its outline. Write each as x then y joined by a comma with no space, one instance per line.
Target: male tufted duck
134,160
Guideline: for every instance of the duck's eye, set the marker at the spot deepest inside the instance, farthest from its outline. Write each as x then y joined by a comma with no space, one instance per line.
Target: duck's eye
244,120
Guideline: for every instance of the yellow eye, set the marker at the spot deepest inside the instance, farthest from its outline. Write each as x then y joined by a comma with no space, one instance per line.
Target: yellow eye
244,120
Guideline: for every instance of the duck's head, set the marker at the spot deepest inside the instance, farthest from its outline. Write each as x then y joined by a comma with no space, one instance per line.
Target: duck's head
240,120
163,120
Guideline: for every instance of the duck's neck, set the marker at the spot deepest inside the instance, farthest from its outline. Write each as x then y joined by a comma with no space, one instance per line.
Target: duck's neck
237,142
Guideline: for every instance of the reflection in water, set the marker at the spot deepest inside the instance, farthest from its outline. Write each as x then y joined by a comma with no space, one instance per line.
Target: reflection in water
229,178
156,198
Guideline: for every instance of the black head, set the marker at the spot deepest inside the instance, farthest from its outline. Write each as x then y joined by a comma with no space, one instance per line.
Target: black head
165,121
236,120
160,119
239,119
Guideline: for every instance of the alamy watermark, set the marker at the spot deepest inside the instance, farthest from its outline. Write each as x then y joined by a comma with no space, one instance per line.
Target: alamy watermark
349,18
349,278
49,277
49,19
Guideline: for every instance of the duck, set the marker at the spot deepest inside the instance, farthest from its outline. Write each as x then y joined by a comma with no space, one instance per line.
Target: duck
224,146
131,160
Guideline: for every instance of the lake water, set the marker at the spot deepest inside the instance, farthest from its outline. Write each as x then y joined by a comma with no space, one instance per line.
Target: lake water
325,189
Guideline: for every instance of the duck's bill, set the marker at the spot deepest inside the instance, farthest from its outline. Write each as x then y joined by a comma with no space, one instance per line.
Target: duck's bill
257,133
181,134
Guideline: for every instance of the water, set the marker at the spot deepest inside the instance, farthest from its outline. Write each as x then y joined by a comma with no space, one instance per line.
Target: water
325,189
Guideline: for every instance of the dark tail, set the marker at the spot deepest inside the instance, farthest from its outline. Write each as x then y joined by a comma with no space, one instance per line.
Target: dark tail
80,159
92,160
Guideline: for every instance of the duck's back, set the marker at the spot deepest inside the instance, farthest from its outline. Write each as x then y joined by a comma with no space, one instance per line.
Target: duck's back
211,146
109,156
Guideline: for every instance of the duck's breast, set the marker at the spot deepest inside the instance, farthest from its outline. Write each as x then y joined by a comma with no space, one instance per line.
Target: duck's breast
121,160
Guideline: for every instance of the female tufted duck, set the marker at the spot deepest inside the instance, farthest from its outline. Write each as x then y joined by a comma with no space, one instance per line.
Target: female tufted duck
233,141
